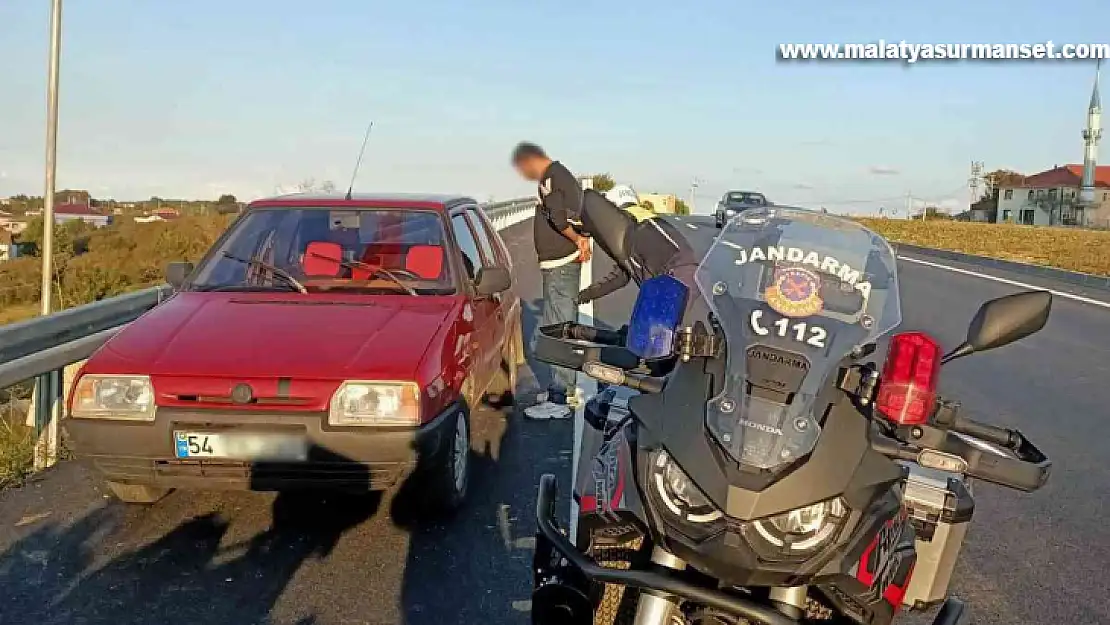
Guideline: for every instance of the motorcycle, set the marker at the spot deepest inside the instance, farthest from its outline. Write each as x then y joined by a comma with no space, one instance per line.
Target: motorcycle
754,467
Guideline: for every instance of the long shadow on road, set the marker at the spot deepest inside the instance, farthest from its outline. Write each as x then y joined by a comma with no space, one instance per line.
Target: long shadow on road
194,572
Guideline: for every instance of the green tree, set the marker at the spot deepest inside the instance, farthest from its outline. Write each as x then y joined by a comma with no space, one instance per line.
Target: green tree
680,207
226,199
603,182
648,205
69,236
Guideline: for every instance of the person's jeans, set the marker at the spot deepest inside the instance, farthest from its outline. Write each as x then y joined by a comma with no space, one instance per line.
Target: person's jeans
560,286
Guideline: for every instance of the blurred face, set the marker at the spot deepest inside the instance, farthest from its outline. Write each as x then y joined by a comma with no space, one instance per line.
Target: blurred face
530,168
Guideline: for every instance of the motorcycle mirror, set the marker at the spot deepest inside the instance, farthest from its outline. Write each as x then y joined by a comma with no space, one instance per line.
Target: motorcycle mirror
1004,320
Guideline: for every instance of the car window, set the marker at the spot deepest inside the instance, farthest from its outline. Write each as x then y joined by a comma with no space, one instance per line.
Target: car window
328,249
743,197
483,238
467,245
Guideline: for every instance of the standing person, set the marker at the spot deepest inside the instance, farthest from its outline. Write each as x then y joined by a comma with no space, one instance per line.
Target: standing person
561,250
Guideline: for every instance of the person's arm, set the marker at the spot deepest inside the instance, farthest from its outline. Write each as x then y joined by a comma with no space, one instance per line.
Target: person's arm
566,200
616,278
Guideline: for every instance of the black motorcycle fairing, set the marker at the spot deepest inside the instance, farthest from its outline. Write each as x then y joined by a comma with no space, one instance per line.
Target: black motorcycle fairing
829,471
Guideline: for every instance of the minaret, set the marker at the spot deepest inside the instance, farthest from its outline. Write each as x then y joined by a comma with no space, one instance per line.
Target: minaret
1091,137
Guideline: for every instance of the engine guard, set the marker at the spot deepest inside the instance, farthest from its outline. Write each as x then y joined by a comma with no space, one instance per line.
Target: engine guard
568,598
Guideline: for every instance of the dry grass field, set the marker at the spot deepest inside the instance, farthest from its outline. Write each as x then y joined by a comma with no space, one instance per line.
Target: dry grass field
1072,249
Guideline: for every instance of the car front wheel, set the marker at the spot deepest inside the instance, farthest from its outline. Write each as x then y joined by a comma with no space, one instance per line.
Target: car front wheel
450,476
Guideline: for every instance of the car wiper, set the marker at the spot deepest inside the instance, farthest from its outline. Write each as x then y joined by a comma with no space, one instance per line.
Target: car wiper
278,272
374,271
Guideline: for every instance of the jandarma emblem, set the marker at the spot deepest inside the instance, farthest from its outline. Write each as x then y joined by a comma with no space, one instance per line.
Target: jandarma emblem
795,292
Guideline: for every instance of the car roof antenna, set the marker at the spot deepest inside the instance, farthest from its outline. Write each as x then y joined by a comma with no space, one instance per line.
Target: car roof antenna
358,162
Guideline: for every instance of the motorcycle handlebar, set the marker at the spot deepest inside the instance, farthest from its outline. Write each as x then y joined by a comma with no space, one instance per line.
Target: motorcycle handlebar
595,335
1010,439
1026,470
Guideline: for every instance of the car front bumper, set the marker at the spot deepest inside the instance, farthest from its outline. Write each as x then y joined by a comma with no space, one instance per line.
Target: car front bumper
358,459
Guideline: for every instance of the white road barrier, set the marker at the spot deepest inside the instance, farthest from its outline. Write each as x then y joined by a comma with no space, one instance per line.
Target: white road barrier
586,387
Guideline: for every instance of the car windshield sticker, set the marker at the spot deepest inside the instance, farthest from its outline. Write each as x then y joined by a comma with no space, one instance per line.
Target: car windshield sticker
795,292
796,256
800,331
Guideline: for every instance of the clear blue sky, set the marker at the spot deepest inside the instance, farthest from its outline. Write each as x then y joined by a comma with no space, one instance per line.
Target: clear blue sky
199,98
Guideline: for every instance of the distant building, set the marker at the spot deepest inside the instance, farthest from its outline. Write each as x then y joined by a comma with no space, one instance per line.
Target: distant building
660,202
70,212
1052,198
8,248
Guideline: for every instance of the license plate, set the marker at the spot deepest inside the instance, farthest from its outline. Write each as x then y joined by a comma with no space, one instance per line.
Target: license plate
240,446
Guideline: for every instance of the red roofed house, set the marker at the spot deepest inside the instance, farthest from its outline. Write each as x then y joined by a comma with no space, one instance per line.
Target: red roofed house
1051,198
69,212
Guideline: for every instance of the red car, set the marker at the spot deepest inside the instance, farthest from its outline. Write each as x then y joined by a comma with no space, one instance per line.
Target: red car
321,342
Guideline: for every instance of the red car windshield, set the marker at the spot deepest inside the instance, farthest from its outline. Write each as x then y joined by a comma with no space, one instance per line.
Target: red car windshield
322,249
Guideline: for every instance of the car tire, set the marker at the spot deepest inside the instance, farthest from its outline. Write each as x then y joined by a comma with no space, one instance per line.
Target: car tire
502,390
449,479
136,493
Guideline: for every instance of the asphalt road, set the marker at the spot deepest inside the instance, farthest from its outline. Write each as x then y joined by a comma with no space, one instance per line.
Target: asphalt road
68,554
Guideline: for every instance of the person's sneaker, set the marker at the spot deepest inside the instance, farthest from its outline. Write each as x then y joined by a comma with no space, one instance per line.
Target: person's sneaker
562,411
548,410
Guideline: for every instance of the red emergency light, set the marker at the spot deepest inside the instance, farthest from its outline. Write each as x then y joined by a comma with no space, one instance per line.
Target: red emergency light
908,387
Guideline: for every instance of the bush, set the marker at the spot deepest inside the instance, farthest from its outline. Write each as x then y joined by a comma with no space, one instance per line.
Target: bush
92,264
1073,249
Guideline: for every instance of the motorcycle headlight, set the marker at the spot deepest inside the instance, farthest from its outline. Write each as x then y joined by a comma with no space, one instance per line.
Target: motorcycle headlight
679,493
803,530
124,397
358,403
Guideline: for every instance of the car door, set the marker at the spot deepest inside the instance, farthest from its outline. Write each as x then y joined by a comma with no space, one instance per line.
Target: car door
495,255
483,310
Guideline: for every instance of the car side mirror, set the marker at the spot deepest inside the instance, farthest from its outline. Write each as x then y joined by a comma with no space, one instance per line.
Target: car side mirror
1004,320
493,280
176,273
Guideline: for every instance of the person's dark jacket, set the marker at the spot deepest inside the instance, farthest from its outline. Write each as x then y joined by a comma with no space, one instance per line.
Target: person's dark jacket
641,245
560,203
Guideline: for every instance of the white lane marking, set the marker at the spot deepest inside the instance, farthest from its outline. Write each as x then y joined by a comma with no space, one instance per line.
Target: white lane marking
1073,296
691,226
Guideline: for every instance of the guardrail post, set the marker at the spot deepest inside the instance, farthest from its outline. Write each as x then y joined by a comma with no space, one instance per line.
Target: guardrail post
48,388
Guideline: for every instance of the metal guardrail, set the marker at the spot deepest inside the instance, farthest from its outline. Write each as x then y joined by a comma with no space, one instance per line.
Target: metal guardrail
42,347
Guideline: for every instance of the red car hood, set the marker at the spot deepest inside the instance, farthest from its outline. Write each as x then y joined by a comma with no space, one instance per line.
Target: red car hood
252,335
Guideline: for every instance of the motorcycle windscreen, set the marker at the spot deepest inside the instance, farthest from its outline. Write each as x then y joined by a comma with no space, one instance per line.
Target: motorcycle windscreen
795,291
656,316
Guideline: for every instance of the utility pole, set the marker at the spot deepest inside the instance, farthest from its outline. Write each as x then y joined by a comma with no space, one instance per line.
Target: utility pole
48,385
693,195
973,182
51,154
